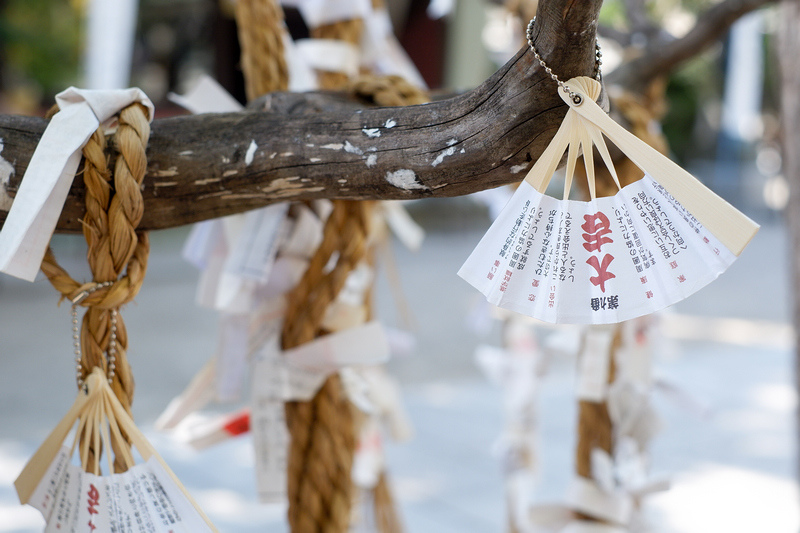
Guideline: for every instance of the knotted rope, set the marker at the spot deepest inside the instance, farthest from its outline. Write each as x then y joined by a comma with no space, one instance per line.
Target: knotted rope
116,253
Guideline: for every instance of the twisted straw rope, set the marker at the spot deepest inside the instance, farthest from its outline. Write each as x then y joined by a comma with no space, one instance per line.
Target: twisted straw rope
387,520
261,31
322,431
114,246
595,429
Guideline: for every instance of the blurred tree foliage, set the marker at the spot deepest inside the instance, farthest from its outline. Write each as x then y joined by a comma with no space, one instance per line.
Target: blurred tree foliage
694,90
41,43
696,84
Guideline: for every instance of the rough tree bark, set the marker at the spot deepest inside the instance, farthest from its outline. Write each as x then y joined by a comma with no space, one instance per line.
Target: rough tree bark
208,166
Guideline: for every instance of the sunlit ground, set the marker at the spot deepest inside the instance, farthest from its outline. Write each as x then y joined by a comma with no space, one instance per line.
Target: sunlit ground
726,397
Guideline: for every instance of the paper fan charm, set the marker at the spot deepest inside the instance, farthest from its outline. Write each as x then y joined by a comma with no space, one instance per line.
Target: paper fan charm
657,241
147,497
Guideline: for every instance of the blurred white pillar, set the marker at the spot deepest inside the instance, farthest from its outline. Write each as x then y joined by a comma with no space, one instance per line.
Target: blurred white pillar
744,80
109,44
467,61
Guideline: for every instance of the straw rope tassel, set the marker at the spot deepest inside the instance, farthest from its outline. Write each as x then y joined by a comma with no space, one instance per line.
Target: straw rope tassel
114,246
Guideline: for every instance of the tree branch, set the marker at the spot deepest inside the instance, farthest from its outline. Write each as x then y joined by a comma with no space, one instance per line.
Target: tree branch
312,146
637,16
660,57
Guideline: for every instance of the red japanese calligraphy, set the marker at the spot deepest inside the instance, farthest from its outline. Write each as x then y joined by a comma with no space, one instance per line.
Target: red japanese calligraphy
603,274
94,501
597,226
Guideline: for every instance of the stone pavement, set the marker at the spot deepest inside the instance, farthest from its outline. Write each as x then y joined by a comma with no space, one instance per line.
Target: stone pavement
728,438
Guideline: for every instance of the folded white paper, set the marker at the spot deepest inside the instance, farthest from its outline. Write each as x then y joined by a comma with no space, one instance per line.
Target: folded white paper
586,496
382,53
407,230
206,96
330,54
594,364
44,188
144,499
318,12
297,374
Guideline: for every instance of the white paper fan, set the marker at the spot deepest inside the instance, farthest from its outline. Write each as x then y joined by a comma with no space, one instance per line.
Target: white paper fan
610,259
146,497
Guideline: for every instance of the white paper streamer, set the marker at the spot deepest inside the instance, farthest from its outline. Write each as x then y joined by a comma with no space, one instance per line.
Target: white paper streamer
368,462
330,54
297,374
144,499
318,12
407,230
301,76
206,96
587,497
44,188
594,364
381,53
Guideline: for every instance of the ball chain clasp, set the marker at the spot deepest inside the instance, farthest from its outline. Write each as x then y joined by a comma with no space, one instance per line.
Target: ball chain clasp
576,98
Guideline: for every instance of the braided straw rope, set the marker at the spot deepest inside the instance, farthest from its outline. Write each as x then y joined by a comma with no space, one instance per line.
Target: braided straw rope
114,248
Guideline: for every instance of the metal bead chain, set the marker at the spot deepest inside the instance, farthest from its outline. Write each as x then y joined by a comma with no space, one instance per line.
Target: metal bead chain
598,61
111,353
